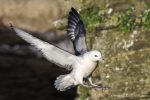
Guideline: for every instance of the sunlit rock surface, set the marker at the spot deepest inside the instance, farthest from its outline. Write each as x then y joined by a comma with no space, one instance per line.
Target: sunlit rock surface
124,41
120,29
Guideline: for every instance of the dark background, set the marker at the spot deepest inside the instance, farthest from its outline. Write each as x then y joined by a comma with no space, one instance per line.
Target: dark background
119,29
24,73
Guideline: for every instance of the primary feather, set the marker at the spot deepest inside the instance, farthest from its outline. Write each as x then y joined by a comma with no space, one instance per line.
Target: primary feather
50,52
82,65
76,32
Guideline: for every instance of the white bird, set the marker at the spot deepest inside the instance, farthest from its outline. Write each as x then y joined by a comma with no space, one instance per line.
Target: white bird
82,64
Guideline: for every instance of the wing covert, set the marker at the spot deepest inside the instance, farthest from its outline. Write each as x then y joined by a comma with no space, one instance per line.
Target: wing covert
50,52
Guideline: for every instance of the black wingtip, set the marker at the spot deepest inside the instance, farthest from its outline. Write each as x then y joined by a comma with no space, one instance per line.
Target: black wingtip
73,9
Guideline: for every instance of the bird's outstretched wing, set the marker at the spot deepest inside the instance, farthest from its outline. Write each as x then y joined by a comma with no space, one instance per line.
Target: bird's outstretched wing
76,32
50,52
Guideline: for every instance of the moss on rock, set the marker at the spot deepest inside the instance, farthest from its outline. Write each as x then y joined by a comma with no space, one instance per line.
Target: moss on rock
126,50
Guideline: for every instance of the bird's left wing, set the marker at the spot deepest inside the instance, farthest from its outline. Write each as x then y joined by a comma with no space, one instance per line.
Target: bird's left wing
53,54
76,32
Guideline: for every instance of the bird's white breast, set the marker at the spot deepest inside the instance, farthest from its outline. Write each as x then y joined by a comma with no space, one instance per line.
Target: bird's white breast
88,67
84,68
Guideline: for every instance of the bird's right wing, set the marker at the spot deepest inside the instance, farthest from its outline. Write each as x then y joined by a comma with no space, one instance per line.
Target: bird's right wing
53,54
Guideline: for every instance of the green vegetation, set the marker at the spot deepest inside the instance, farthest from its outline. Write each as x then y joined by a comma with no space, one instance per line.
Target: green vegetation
93,19
127,20
120,29
84,93
146,18
126,49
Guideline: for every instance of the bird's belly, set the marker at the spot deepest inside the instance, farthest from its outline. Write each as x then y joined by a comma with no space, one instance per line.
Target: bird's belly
86,69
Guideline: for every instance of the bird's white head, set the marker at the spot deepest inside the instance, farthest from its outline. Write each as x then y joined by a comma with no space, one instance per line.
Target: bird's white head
95,55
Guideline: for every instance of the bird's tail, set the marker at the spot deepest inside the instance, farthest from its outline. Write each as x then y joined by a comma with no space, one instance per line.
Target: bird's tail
64,82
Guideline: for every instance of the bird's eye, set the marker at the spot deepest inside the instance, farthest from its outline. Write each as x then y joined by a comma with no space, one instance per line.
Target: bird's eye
95,55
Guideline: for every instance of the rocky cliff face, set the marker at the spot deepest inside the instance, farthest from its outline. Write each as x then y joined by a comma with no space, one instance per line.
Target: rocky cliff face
126,68
122,35
120,29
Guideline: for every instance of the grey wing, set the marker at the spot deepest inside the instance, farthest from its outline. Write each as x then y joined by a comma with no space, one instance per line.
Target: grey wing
50,52
76,32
